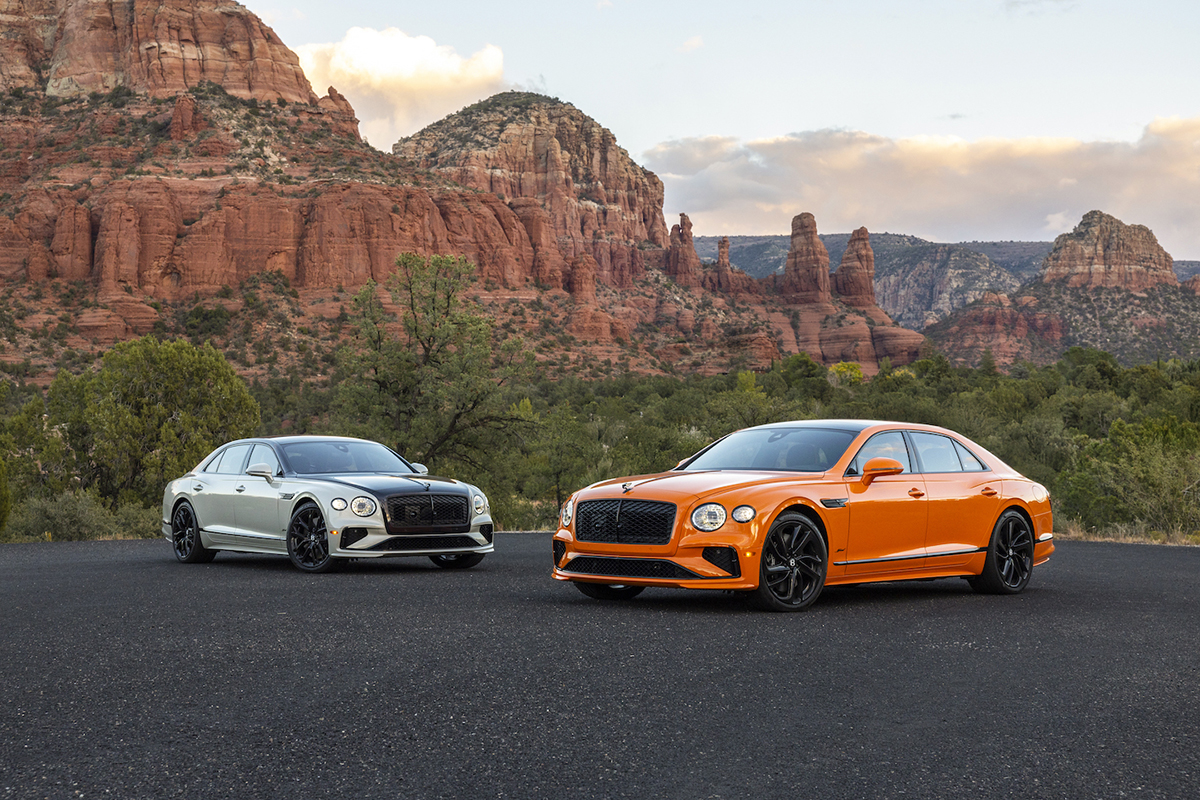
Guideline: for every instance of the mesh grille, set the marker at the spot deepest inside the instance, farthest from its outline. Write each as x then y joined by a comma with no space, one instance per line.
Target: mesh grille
724,558
560,550
486,530
625,521
415,511
352,535
628,568
399,543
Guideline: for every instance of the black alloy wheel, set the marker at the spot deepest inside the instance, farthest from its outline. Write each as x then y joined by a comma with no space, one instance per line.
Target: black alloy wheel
308,540
793,566
1009,562
457,560
608,591
185,536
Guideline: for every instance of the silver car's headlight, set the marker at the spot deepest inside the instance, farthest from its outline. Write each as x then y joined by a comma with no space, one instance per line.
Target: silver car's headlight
362,506
338,503
480,504
568,510
709,517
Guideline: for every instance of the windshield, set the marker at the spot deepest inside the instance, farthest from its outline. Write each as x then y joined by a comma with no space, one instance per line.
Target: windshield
313,458
786,449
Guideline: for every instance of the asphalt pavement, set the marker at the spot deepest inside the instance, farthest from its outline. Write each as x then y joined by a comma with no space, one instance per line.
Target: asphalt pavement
125,674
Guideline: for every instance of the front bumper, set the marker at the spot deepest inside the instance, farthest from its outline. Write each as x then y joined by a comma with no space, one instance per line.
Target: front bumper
365,541
696,564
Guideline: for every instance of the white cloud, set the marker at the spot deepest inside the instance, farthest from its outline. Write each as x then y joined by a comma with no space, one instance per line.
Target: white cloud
1038,6
603,3
398,83
943,188
694,43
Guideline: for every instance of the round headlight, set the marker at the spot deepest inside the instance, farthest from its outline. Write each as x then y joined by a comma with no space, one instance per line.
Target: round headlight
567,511
742,514
709,517
362,506
479,504
338,504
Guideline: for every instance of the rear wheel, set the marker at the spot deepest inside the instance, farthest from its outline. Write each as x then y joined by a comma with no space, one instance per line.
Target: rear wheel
185,536
308,540
457,560
1009,562
793,566
608,591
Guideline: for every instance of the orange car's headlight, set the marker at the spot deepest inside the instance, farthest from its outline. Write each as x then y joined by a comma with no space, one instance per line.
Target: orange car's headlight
709,517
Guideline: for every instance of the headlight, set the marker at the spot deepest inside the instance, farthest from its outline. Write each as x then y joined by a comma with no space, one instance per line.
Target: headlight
362,506
479,504
709,517
742,514
338,504
567,510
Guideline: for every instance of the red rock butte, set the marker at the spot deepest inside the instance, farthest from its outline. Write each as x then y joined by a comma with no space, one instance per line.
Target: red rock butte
1103,252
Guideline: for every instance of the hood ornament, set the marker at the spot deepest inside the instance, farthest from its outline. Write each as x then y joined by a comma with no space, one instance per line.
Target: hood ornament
626,488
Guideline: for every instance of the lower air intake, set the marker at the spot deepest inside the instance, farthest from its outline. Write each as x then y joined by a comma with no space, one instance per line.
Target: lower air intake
629,568
724,558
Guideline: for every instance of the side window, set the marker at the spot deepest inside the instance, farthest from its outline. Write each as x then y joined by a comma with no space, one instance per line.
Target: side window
214,463
231,462
263,454
889,444
935,453
969,462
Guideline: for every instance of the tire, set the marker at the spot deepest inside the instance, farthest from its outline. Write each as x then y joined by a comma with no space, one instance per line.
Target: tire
185,536
608,591
308,540
1009,562
793,566
457,560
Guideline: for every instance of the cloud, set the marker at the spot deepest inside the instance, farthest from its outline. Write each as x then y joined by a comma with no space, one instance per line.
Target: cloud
1038,6
398,83
694,43
941,188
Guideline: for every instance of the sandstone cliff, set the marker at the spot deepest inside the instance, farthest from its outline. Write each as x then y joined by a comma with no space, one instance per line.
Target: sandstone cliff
524,145
805,276
854,279
1104,252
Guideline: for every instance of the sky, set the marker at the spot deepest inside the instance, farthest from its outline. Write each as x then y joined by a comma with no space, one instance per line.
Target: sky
954,120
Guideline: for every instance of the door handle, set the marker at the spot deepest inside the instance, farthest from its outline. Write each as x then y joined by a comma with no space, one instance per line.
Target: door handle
240,489
988,492
915,493
198,487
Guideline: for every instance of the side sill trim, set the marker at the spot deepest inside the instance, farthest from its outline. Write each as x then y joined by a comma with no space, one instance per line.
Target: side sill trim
911,558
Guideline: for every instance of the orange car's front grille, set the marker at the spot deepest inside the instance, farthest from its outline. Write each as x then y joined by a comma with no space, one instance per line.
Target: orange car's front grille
625,521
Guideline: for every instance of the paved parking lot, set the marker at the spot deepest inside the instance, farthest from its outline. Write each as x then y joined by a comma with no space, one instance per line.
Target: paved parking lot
128,675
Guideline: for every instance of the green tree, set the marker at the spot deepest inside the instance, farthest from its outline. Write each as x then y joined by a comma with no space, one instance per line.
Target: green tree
5,496
439,393
147,416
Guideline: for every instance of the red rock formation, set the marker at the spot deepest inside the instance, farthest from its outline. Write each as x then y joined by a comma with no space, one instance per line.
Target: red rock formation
682,262
854,280
522,145
1102,251
806,273
184,119
1192,284
1014,331
724,278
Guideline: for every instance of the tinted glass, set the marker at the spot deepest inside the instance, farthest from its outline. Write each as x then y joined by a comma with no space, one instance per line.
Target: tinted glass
882,445
936,453
263,454
314,458
969,462
787,449
232,460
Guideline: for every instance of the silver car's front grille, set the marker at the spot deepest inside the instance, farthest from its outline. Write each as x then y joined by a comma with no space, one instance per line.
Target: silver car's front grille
420,512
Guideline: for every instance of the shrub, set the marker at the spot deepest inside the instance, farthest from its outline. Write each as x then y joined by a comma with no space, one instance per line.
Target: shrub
78,517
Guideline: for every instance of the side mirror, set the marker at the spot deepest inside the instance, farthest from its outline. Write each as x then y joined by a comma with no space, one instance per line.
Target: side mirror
420,469
261,471
878,467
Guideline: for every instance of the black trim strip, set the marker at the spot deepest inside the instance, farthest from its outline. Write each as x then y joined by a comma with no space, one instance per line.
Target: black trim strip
911,558
834,502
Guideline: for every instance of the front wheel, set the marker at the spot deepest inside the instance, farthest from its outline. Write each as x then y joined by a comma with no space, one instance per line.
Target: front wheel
185,536
793,566
608,591
457,560
1009,562
308,540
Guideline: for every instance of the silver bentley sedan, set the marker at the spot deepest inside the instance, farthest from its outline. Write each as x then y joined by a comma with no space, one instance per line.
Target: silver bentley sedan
321,500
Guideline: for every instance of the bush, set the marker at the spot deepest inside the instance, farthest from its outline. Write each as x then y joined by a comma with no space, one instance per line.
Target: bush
78,517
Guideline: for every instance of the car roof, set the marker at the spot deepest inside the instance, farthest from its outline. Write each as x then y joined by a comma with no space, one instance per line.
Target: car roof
850,425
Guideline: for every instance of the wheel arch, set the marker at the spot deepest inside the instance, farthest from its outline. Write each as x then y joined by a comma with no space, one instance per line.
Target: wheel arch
807,511
1020,509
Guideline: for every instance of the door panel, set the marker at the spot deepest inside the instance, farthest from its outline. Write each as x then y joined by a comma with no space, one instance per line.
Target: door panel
214,500
256,499
962,509
888,516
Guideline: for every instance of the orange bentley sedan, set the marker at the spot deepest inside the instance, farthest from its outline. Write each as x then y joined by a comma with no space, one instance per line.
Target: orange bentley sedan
781,511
